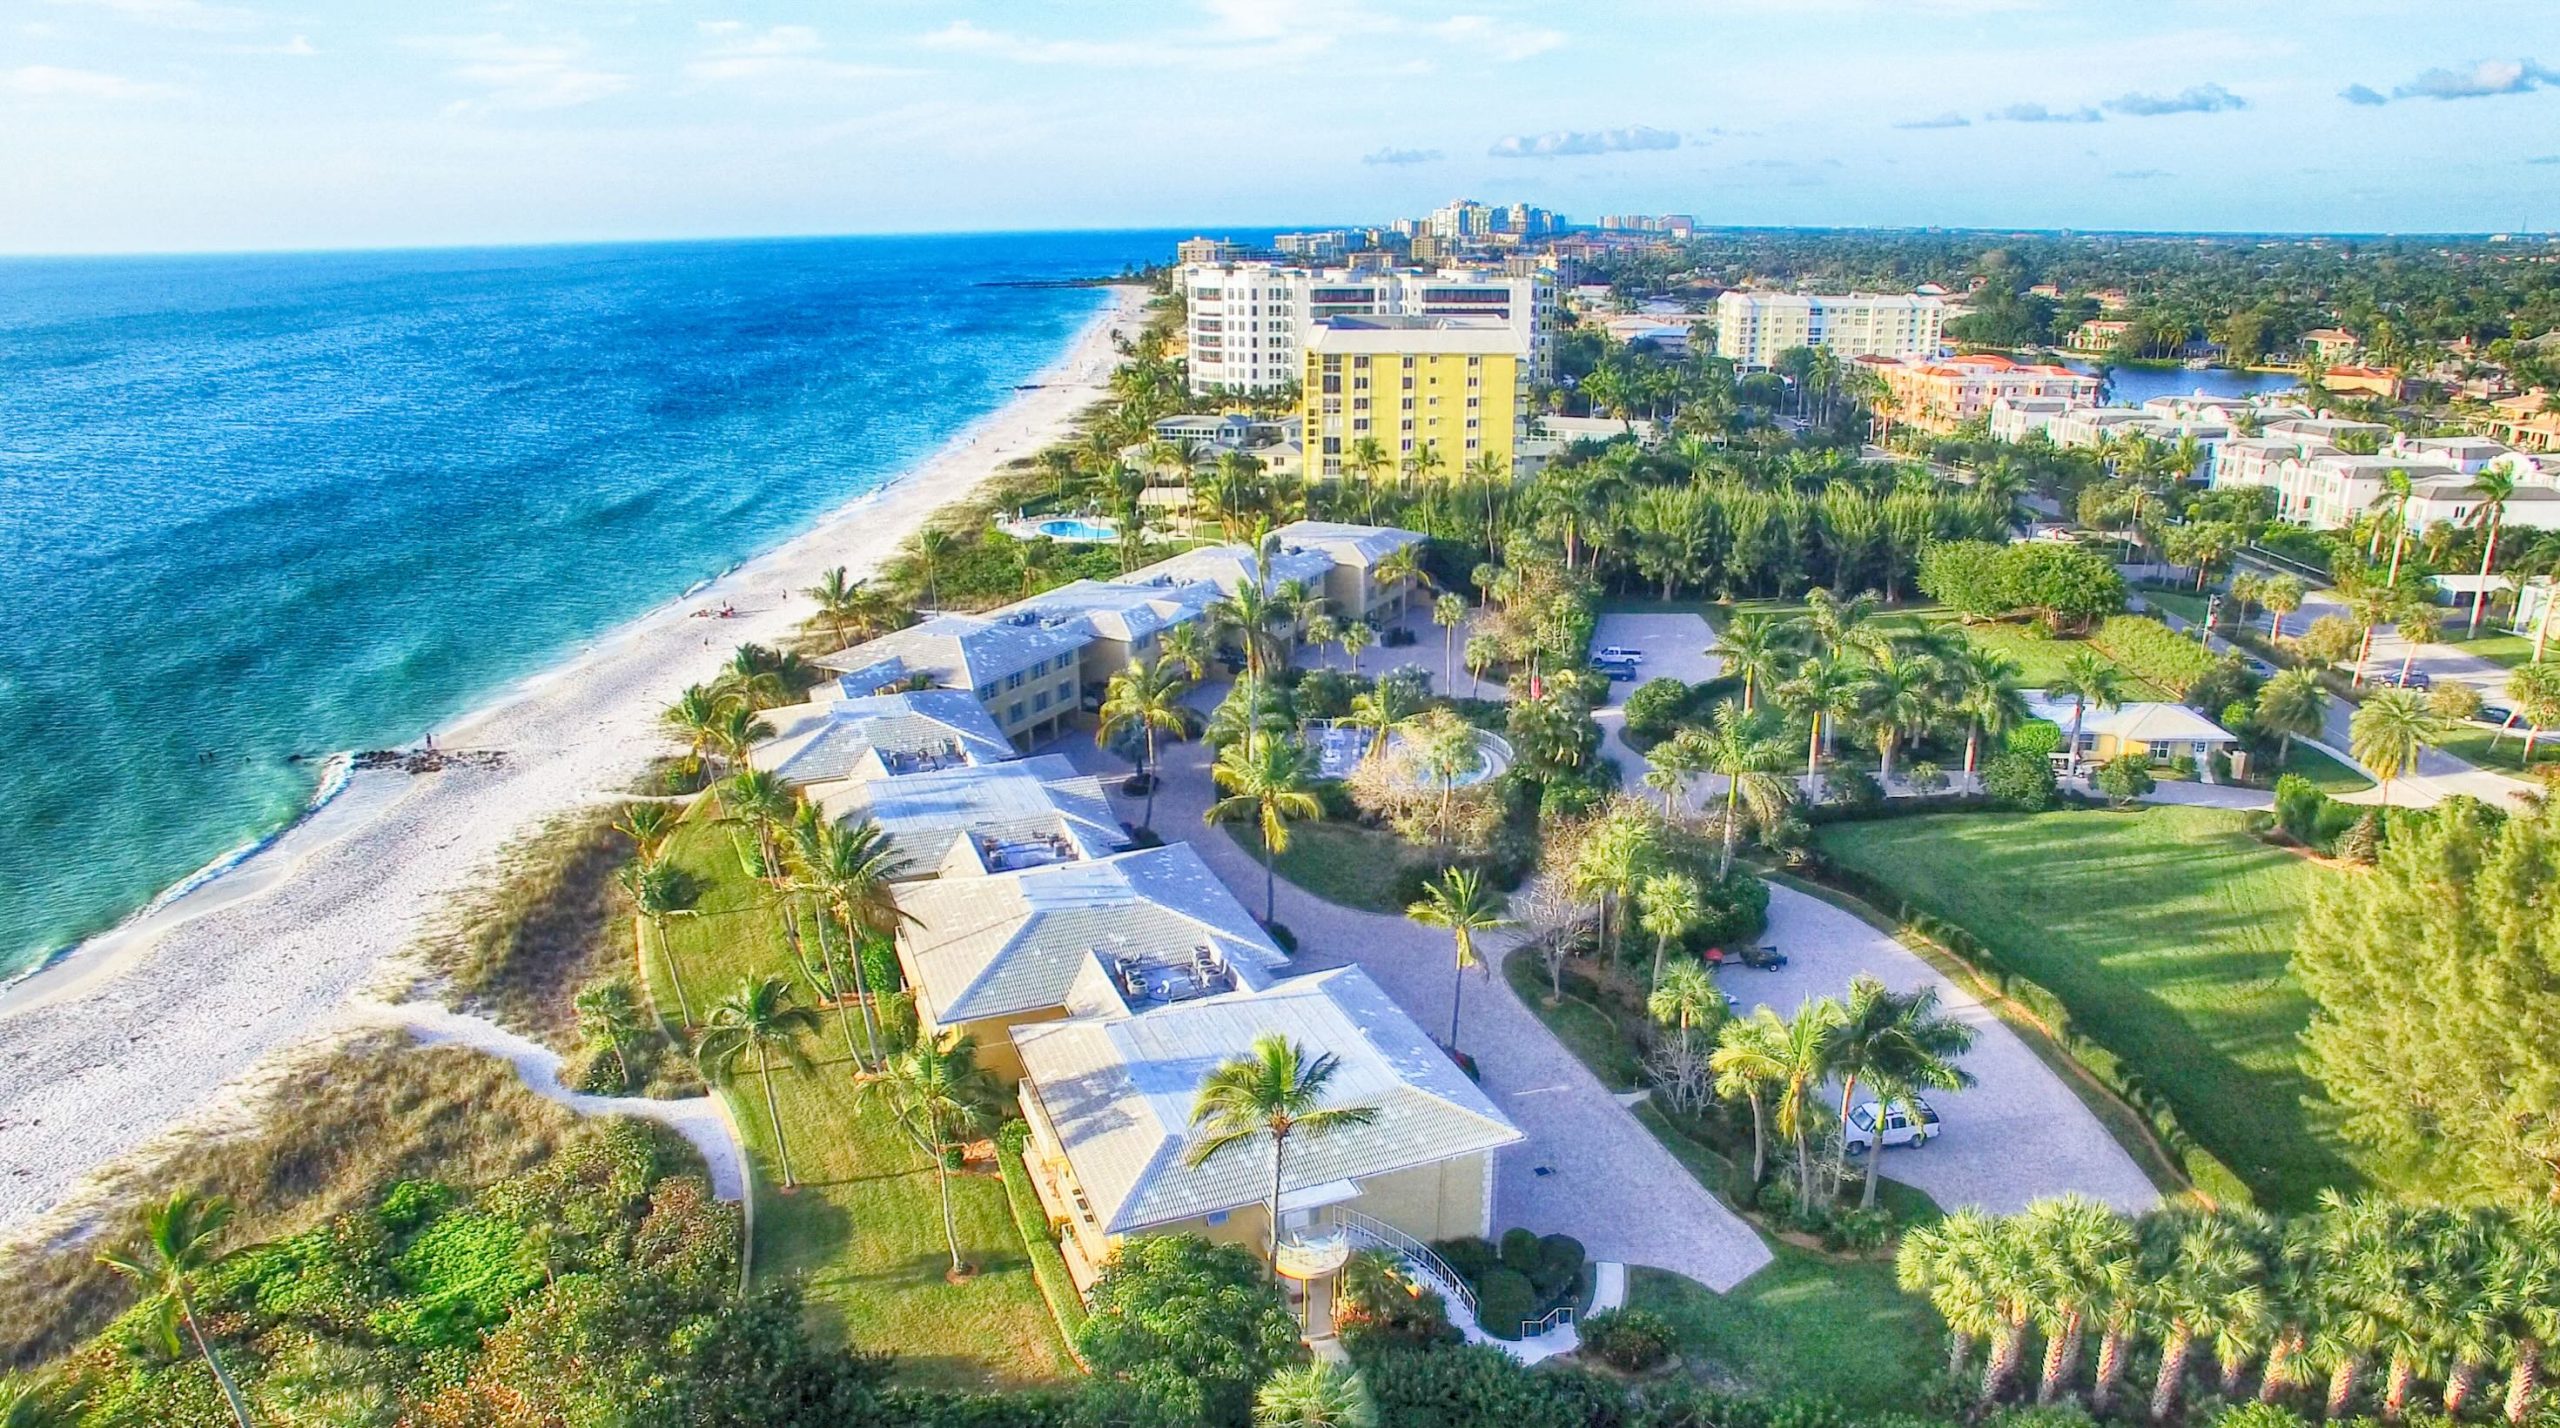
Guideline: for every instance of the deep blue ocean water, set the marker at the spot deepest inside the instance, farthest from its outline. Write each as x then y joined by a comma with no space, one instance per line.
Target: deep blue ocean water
254,507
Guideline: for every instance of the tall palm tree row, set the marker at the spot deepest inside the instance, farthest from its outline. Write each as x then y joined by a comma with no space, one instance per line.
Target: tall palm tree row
2427,1294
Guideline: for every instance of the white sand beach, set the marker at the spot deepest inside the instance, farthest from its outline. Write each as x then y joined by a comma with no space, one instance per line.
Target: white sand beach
162,1021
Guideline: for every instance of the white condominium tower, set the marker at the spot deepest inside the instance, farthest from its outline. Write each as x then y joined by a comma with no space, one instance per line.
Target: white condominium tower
1249,323
1753,328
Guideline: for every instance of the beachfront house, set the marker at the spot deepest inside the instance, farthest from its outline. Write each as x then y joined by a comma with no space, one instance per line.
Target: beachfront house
973,821
1115,936
1350,584
834,739
1025,669
2160,733
1123,618
1108,1097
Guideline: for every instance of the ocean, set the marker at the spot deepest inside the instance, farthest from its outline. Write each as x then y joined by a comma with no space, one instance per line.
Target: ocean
258,510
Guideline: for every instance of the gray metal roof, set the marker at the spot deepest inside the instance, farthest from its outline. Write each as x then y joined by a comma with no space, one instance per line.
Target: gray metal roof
1347,544
964,651
929,814
1019,942
876,736
1124,610
1229,568
1119,1092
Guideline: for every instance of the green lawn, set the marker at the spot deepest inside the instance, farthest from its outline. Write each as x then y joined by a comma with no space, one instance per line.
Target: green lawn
1339,862
1584,1028
2040,658
863,1233
1803,1324
2486,747
2187,605
2167,933
2494,645
2332,777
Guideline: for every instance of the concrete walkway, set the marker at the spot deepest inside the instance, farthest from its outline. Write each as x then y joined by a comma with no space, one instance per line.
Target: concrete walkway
1588,1168
2018,1135
701,1120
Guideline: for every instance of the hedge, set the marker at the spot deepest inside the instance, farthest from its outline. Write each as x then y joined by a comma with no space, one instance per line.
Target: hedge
1048,1266
2212,1178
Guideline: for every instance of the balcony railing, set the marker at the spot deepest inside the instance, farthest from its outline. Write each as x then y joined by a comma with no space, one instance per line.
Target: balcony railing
1413,1251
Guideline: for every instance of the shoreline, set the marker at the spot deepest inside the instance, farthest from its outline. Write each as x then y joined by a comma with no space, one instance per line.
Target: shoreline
151,1024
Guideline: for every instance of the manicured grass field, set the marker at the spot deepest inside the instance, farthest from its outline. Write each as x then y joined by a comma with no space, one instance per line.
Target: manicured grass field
2494,645
2187,605
2167,932
2486,747
863,1233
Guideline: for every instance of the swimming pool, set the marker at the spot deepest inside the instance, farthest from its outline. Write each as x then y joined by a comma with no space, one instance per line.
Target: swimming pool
1068,528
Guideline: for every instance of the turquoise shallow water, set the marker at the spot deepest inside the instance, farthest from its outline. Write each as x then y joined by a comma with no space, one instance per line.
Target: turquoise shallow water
259,507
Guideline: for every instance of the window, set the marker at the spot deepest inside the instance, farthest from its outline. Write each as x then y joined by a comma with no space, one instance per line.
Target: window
1013,712
986,694
1040,702
1013,680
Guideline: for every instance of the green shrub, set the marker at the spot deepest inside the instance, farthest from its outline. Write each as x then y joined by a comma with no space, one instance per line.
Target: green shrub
1470,1255
2152,651
1505,1300
2040,738
1630,1339
1560,1260
1853,790
2021,781
1656,708
2126,777
2183,766
1521,1251
1732,909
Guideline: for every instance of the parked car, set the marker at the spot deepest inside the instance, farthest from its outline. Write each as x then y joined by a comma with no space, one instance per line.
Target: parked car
2497,714
1619,654
2414,679
1913,1123
1617,671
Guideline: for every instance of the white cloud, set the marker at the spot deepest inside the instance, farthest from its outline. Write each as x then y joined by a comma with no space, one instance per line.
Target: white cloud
2488,77
45,81
1948,120
2196,99
514,75
2038,114
299,47
776,55
1396,156
1577,143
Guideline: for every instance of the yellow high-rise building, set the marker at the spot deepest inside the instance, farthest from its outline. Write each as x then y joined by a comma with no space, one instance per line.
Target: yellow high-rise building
1451,386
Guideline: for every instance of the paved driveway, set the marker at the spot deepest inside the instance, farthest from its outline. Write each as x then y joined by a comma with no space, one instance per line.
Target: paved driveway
1675,647
1588,1168
2016,1136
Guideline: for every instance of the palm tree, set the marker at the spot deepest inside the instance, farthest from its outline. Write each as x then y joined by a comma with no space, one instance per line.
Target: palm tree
2085,1259
2204,1280
1252,611
2293,703
932,546
756,798
168,1256
2281,595
1273,1092
1822,691
1356,636
1668,906
2387,731
1188,645
1899,1040
1950,1262
647,825
1460,902
608,1016
2085,680
2372,606
757,1019
1686,997
848,868
1383,709
1803,1057
1483,652
657,891
2397,491
1148,698
1265,777
1833,626
695,720
2494,486
939,1093
1755,647
1449,612
839,596
1749,1058
1316,1395
1986,693
1741,749
1899,696
736,732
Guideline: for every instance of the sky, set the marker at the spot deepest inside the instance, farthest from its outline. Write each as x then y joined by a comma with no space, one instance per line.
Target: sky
182,125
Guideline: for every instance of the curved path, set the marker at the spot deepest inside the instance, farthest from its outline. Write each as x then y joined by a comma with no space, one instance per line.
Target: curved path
701,1120
2018,1135
1588,1169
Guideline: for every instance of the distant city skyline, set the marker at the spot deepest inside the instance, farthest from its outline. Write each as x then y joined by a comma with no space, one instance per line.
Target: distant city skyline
183,125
